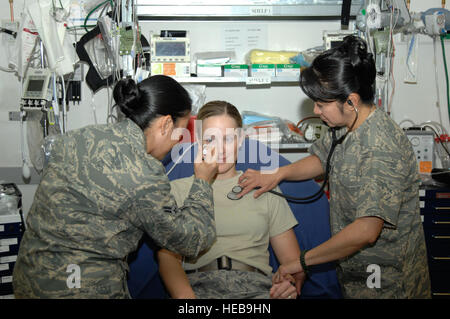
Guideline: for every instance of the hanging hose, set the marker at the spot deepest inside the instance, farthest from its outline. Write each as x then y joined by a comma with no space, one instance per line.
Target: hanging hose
446,73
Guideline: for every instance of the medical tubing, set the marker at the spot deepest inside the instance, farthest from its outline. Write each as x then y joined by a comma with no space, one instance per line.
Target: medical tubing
436,77
92,11
446,73
180,158
438,138
325,180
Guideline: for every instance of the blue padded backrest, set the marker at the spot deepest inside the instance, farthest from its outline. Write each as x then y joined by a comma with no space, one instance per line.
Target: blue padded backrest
312,230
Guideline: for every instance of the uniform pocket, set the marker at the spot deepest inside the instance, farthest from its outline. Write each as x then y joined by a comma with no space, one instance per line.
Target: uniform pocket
347,172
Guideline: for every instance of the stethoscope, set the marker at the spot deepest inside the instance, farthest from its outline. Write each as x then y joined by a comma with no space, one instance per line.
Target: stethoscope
308,199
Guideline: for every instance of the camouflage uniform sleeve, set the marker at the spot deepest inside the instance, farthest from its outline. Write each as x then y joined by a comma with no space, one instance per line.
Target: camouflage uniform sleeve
320,148
381,187
185,230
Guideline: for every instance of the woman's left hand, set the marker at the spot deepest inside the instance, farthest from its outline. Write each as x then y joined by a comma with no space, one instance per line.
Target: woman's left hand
284,290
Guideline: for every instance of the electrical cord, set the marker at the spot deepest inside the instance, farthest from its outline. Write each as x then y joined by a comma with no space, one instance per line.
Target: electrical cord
436,78
436,124
11,9
104,3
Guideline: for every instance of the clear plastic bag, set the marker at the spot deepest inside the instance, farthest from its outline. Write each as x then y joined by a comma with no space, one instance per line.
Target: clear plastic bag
8,201
268,129
270,57
47,147
197,94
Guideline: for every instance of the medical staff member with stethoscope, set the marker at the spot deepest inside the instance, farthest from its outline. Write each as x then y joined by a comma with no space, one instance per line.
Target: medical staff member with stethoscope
378,240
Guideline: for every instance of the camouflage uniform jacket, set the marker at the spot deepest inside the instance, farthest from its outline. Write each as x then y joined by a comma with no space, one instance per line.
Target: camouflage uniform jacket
374,173
100,192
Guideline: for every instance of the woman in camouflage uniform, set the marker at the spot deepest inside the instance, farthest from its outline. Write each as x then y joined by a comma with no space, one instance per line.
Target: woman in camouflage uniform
103,188
378,239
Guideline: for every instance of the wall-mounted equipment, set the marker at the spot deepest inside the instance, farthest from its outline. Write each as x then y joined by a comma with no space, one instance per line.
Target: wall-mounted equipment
332,39
37,89
423,145
170,49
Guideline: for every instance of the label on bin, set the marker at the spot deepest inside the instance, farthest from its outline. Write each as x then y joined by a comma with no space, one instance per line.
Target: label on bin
8,241
258,80
4,249
12,218
8,259
6,279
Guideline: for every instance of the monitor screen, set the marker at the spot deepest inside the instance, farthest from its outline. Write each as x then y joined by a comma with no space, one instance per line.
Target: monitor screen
167,48
35,85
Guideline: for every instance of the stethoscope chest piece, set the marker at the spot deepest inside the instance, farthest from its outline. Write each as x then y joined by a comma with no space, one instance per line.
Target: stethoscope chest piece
234,191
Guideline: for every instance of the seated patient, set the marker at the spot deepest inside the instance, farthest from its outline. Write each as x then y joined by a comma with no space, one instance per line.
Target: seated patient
236,266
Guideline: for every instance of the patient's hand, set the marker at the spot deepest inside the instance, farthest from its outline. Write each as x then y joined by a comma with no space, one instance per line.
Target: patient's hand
299,280
285,289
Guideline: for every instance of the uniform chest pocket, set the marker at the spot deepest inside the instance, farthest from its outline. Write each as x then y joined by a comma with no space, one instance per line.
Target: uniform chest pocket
346,170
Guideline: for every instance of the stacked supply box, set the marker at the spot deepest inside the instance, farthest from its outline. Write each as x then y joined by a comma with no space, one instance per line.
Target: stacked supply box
11,230
288,70
235,70
266,70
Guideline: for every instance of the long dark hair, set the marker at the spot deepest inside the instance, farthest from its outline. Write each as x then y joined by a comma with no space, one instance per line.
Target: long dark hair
342,70
158,95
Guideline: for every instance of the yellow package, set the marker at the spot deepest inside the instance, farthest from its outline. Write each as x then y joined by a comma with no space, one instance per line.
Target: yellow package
270,57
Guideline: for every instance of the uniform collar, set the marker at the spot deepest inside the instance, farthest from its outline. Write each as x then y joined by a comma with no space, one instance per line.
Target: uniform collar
134,136
361,130
364,127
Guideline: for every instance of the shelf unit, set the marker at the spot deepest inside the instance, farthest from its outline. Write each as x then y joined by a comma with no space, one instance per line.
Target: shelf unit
12,227
243,9
204,10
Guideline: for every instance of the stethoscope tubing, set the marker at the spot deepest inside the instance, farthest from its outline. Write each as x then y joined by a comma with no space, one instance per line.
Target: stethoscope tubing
312,198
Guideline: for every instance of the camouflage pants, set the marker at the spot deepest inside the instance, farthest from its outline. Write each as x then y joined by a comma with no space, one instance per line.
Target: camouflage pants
230,284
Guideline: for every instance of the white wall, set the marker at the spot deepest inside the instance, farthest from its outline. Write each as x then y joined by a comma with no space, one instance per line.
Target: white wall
411,101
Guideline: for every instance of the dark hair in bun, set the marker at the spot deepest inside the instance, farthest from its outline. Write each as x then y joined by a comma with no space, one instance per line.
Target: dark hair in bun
340,71
158,95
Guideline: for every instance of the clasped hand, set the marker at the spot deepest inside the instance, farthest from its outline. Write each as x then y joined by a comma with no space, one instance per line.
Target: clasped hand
285,285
